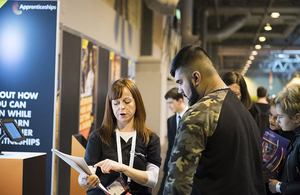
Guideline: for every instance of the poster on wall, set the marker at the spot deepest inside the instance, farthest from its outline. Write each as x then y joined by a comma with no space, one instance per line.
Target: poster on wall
131,70
28,56
115,67
88,87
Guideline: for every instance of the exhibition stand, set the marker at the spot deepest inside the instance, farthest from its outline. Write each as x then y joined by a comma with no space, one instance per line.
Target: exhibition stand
22,173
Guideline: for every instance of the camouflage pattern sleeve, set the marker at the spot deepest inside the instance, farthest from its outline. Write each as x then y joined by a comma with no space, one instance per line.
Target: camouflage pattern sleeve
198,123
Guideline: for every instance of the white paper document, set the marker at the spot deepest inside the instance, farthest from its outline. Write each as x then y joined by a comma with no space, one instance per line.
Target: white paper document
78,163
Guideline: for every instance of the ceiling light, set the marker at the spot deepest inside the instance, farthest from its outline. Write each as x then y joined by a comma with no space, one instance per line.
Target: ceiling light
280,55
257,46
251,57
178,14
254,53
268,27
283,56
262,39
275,14
249,62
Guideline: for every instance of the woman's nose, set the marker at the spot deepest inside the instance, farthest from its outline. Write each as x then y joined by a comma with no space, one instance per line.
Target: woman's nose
273,119
122,106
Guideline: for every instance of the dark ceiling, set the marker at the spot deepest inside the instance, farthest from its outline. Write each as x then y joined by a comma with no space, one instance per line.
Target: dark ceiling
234,26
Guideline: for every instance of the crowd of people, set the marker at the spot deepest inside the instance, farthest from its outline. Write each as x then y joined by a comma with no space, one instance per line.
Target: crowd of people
214,144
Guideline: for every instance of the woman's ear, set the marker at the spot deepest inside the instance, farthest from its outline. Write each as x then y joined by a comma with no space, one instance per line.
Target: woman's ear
196,77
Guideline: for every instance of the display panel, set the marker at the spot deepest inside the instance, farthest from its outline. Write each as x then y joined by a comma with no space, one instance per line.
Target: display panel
28,63
88,87
12,130
115,67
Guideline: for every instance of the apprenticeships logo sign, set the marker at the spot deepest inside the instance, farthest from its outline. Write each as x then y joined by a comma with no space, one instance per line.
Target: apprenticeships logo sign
16,9
23,7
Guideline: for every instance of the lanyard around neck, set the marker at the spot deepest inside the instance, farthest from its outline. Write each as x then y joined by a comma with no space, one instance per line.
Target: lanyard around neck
132,151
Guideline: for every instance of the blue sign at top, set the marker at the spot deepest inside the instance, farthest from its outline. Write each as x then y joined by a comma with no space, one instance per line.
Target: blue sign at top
28,36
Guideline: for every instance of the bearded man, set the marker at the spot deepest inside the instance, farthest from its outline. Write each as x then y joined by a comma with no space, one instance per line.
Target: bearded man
217,148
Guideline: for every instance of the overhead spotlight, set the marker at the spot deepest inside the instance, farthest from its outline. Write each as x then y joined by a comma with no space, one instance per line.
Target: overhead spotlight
254,53
178,14
243,72
268,27
249,62
262,39
280,55
275,14
257,46
251,57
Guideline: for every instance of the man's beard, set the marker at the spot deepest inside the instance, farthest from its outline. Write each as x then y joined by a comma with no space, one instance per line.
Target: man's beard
195,96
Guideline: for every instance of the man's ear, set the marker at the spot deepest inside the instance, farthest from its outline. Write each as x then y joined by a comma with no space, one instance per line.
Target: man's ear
196,76
180,100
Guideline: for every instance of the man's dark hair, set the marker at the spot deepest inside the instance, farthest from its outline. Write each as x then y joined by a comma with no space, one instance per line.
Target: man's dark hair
261,92
189,56
173,93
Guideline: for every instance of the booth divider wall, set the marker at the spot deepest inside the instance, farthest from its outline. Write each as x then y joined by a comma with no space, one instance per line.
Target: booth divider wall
102,84
69,104
124,67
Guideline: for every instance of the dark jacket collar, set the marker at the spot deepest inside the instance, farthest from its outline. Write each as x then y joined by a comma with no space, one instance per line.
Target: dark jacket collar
297,131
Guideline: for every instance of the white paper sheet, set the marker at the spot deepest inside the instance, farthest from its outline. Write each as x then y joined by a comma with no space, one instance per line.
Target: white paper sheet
78,163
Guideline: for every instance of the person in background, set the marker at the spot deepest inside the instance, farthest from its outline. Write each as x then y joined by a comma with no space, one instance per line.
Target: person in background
274,126
123,147
217,148
176,104
236,82
260,109
288,117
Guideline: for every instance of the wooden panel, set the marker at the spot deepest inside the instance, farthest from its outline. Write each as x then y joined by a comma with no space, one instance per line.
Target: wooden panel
11,176
77,150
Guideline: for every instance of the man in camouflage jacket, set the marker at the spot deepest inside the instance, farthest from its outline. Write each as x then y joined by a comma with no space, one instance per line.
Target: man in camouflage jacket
217,148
